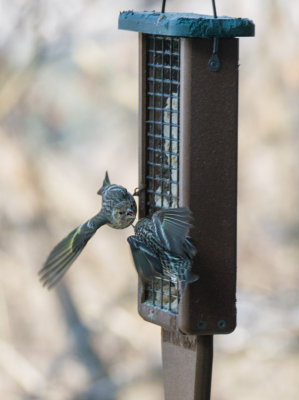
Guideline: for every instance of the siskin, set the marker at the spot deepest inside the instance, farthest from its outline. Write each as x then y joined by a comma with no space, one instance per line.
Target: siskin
118,211
160,246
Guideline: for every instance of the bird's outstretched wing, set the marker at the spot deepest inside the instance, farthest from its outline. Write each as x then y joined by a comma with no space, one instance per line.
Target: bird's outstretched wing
189,248
172,226
65,252
146,262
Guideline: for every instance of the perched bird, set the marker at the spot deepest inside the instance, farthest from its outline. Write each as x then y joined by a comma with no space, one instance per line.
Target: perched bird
160,246
118,211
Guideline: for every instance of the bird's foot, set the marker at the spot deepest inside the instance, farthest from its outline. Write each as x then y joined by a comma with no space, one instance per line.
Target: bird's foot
137,191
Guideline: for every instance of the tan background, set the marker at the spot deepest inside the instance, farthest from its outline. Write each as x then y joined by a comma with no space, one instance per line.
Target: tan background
68,112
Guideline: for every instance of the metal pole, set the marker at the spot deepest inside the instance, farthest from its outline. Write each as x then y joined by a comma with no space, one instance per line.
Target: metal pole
202,387
187,366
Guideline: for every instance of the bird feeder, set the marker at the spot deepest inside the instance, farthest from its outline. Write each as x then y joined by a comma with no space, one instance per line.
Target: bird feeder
188,120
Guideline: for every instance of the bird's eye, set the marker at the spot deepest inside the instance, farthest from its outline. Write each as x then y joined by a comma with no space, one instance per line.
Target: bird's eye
121,213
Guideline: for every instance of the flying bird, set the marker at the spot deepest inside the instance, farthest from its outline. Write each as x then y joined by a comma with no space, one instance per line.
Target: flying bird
118,211
161,247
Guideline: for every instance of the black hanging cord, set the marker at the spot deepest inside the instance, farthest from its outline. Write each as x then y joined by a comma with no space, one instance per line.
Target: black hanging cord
213,3
214,62
214,8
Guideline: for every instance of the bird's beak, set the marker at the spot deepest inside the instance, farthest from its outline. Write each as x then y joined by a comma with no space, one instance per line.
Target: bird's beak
130,213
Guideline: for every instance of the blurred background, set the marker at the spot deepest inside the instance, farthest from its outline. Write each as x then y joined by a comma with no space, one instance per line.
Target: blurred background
68,112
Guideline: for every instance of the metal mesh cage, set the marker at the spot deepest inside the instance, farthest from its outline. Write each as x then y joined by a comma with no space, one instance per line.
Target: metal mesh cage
162,145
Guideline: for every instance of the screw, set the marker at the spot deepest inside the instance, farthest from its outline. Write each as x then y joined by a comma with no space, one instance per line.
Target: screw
201,325
221,324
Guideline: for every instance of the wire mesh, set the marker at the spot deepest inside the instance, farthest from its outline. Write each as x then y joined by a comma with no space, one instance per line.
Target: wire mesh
162,143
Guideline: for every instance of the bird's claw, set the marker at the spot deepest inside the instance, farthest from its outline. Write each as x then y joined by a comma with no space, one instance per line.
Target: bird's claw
137,191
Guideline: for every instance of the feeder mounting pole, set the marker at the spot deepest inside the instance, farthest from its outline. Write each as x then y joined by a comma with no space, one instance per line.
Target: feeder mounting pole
187,366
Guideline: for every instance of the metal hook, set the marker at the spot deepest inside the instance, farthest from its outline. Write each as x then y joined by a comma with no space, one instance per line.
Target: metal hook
214,62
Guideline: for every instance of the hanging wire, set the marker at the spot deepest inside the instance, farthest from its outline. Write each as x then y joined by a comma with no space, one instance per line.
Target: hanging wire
214,9
213,4
214,62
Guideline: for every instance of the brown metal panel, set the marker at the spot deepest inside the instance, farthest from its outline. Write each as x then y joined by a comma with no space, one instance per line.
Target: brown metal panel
209,113
155,315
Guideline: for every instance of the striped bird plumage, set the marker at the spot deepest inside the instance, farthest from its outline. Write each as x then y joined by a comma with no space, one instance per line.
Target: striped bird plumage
118,211
161,247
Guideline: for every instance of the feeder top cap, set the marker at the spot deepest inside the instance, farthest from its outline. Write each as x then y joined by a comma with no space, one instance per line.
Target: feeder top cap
185,24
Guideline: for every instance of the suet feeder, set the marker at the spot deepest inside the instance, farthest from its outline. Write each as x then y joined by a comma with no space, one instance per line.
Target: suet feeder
188,117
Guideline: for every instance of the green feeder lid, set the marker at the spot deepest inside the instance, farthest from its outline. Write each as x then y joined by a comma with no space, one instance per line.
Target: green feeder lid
185,24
